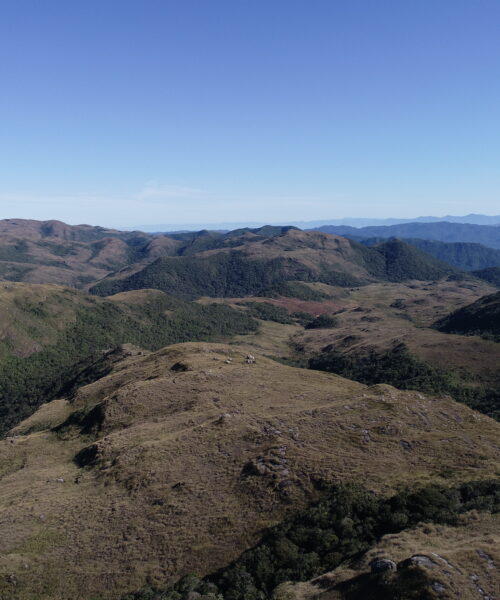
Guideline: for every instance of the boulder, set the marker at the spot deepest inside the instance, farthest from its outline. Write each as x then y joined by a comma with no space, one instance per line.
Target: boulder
380,565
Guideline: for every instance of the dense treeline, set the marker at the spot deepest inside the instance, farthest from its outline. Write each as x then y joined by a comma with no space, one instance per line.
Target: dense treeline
233,274
480,318
491,275
461,255
347,521
322,322
25,383
227,274
398,367
401,262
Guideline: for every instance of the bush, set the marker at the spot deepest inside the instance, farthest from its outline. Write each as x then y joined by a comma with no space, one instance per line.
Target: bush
322,322
269,312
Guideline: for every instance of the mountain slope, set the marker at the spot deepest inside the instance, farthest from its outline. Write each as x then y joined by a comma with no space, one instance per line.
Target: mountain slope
49,334
54,252
491,275
175,462
253,264
465,256
480,318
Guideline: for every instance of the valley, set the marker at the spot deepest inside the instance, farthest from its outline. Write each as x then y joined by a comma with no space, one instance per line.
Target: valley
175,406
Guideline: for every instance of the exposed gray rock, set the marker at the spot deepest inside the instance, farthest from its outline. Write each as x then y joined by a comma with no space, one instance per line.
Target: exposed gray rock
421,560
438,587
380,565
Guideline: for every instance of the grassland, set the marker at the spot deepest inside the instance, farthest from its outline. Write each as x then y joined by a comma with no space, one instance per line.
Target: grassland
156,461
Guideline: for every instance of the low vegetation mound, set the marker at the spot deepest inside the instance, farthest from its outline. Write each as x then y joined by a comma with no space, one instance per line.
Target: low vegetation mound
402,262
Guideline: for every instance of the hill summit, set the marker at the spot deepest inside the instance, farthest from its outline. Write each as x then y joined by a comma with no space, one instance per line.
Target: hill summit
176,461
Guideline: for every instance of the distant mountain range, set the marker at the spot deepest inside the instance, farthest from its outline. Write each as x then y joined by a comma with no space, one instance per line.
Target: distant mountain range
81,255
473,219
442,231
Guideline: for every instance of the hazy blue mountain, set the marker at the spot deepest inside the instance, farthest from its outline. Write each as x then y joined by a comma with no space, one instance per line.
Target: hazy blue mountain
443,231
348,221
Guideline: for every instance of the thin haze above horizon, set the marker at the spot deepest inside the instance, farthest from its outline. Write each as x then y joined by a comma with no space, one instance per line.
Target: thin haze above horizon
124,113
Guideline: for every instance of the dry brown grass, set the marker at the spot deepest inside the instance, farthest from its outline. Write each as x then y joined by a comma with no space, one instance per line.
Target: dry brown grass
167,494
310,248
367,320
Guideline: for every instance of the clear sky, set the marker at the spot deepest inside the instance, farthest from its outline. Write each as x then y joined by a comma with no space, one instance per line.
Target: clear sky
123,113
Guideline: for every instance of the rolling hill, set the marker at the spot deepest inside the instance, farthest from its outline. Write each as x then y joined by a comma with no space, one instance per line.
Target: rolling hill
83,256
131,466
54,252
179,460
77,255
250,264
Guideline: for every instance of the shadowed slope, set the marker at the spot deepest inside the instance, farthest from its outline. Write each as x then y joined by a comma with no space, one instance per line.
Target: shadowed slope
480,318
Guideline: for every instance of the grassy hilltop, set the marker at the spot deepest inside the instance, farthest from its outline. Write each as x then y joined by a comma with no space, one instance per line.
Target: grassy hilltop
177,461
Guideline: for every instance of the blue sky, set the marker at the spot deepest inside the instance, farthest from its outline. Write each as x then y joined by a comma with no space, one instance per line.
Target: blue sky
126,113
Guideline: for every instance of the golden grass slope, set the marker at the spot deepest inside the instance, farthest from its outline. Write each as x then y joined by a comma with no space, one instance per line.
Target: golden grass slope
380,316
191,452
